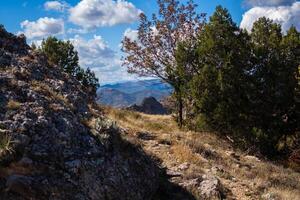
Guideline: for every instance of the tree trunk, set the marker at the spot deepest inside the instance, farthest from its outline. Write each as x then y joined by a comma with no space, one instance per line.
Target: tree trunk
180,111
179,107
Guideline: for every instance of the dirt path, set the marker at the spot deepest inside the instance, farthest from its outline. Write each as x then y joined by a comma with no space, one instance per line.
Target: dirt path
181,173
190,159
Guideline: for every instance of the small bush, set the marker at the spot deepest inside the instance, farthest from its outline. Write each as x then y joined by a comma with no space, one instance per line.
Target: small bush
5,143
13,105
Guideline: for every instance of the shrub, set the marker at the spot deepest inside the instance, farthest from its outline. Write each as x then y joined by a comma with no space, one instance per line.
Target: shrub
5,143
63,54
13,105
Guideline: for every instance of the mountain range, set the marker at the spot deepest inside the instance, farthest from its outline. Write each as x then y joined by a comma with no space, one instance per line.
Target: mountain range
132,92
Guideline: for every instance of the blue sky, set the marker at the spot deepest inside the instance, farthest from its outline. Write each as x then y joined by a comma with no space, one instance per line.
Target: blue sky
96,27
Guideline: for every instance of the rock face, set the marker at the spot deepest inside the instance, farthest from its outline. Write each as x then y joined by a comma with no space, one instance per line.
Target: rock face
294,159
149,106
46,151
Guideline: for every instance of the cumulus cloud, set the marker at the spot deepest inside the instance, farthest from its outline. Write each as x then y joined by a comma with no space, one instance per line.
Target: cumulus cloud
285,15
96,54
56,5
254,3
43,27
114,76
92,51
131,34
78,31
98,13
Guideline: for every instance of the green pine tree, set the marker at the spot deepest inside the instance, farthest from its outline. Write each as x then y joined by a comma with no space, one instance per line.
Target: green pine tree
219,88
64,55
274,107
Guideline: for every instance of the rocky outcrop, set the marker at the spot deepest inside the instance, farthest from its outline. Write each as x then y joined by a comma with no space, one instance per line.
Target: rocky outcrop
294,160
54,143
149,106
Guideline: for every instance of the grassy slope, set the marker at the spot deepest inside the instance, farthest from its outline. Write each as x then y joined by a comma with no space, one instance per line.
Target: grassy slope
244,177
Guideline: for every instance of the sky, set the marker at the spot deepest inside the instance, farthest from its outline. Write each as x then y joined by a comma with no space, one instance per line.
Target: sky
97,27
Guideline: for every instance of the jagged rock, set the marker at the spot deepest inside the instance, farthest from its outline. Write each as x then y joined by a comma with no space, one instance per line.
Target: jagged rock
294,159
184,166
207,187
145,136
4,58
173,173
149,106
252,158
270,196
20,184
191,183
211,188
50,153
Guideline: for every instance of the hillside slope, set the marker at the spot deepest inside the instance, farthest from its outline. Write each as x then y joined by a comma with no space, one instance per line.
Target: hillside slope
201,165
54,141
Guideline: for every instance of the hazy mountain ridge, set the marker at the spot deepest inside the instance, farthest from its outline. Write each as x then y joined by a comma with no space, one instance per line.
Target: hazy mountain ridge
132,92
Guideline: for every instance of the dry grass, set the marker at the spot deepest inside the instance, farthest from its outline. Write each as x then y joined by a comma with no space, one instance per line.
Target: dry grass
89,123
247,177
5,143
45,89
184,154
285,194
140,121
13,105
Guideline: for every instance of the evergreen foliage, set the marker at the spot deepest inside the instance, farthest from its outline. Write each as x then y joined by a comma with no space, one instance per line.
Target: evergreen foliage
247,84
222,52
63,54
226,79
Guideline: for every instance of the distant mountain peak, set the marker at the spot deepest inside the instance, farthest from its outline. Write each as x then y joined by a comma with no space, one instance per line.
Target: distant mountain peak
149,105
132,92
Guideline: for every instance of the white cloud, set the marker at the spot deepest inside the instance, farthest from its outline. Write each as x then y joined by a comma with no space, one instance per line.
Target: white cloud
43,27
93,52
114,76
268,2
98,13
56,5
78,31
97,55
38,43
284,15
131,34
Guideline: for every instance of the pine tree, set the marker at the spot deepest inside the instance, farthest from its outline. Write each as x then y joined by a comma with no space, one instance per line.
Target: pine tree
90,81
275,71
64,55
61,53
219,89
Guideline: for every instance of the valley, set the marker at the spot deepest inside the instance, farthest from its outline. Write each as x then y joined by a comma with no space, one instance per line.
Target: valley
132,92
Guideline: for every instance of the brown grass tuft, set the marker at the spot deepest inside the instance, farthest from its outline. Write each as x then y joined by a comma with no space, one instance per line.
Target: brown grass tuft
13,105
5,143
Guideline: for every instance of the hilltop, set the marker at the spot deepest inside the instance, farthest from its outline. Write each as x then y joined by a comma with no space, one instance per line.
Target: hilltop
55,142
204,165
